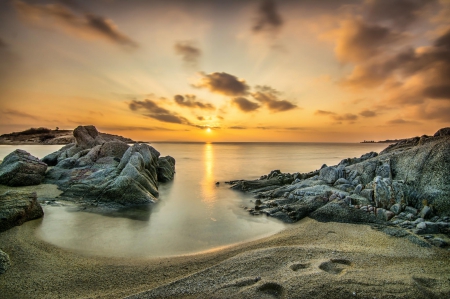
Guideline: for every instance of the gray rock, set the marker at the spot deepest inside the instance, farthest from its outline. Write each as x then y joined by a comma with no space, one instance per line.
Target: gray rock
166,169
383,169
396,208
329,174
382,192
19,168
439,242
17,207
340,212
358,189
411,210
5,262
87,137
384,214
442,132
341,181
425,213
367,193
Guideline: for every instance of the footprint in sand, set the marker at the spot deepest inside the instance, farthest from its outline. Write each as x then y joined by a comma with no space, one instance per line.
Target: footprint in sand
299,266
270,290
335,266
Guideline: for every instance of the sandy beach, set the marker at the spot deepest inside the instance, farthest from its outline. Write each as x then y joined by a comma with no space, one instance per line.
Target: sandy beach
308,260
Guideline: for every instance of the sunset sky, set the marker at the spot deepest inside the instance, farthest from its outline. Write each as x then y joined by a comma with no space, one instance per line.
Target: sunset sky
284,71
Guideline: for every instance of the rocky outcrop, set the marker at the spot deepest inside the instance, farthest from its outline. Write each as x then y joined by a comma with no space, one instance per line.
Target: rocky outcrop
406,181
19,168
97,171
18,207
5,262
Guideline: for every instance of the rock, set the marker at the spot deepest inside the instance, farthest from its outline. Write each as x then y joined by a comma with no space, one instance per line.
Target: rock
442,132
424,228
396,208
329,175
166,169
5,263
87,137
17,207
384,214
111,172
425,212
383,169
341,181
382,192
358,189
19,168
367,193
340,212
438,242
411,210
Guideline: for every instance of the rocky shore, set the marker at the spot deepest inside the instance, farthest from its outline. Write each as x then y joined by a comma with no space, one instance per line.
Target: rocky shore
364,228
406,188
48,136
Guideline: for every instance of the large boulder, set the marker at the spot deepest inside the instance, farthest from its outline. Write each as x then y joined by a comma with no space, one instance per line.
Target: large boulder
166,168
19,168
329,174
5,262
16,207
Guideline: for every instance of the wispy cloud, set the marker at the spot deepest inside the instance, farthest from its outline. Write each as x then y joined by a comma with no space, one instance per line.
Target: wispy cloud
152,110
190,101
245,105
269,97
223,83
85,25
268,18
188,52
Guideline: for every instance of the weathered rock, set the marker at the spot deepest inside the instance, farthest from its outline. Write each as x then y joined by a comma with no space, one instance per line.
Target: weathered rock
17,207
339,212
166,168
442,132
367,193
87,136
329,174
411,210
396,208
425,212
19,168
384,214
382,193
5,262
383,169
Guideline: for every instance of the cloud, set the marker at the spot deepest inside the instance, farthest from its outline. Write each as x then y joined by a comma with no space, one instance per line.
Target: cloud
269,98
400,13
268,18
201,118
437,91
190,101
188,52
152,110
3,45
223,83
358,41
17,113
127,128
324,112
400,121
85,25
337,117
245,105
368,113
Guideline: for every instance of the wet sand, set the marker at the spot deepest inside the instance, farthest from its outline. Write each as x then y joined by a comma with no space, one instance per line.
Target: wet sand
310,260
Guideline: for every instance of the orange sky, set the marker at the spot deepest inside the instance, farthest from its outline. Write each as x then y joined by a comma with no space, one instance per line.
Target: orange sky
282,71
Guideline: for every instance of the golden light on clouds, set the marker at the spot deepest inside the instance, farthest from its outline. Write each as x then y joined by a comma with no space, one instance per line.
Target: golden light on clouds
284,71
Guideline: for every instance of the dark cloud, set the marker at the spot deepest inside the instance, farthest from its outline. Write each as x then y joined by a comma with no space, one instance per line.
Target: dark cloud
85,25
223,83
368,113
200,118
3,44
245,105
399,13
191,102
152,110
269,98
268,17
437,91
188,52
400,121
359,41
337,117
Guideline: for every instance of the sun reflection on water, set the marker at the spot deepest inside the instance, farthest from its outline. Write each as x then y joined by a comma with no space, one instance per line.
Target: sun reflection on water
208,184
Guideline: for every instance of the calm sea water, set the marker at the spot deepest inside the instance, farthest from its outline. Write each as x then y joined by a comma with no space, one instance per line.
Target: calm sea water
193,214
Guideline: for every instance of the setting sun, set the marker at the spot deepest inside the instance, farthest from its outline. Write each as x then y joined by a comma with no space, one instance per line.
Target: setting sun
208,130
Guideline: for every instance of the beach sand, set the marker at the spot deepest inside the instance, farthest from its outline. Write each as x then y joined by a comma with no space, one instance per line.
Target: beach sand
308,260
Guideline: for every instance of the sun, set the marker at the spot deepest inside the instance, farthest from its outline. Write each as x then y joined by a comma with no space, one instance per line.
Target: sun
208,130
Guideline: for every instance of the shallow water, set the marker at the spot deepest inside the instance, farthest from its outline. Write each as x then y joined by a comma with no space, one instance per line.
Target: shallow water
193,214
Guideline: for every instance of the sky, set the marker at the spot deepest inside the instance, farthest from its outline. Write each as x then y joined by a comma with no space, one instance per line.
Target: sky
227,71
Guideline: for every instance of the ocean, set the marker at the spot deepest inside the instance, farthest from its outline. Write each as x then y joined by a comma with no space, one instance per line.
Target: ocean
193,214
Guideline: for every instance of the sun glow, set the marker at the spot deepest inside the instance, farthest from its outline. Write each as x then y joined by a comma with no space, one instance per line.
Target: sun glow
208,130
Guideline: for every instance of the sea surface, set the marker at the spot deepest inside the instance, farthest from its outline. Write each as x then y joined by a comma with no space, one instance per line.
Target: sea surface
193,214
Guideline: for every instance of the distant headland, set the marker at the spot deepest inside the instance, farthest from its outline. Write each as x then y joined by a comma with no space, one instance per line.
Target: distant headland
47,136
383,141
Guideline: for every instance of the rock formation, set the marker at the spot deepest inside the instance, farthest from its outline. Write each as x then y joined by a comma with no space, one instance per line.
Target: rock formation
95,170
406,182
18,207
19,168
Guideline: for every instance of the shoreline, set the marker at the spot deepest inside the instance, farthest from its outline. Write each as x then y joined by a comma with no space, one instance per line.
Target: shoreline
43,270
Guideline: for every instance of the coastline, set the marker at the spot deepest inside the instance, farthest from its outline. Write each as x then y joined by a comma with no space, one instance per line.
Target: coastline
42,270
